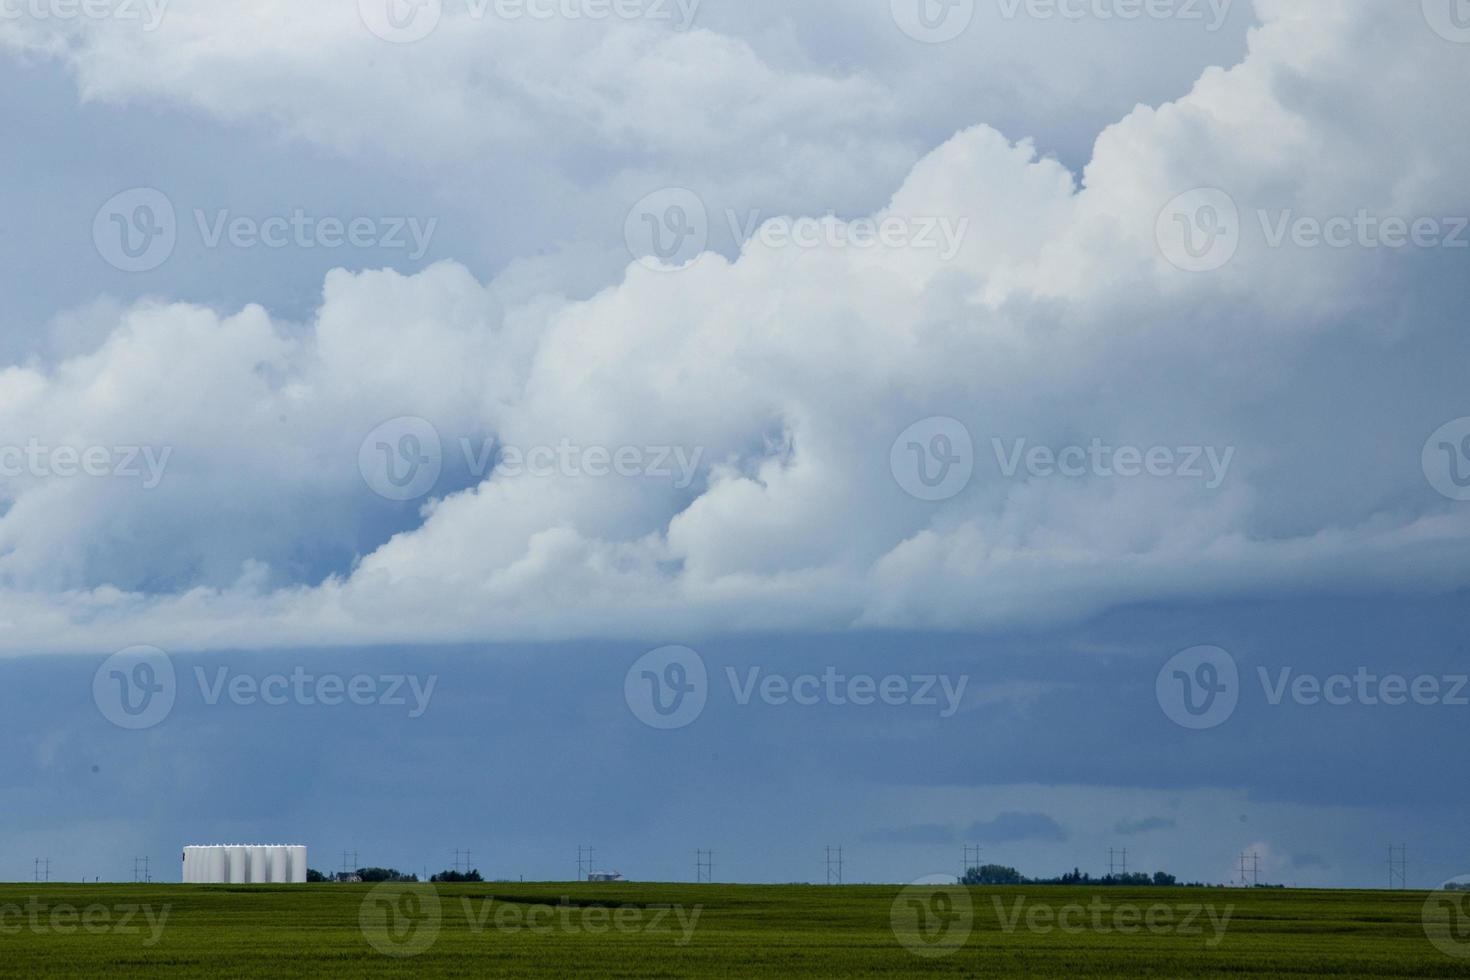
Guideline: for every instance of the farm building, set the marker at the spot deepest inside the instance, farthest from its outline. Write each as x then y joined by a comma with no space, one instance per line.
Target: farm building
244,864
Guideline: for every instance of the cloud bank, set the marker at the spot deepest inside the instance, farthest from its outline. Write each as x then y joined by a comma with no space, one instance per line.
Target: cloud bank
1067,321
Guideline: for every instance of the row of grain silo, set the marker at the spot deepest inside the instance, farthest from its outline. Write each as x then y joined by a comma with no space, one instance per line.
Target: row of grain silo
245,864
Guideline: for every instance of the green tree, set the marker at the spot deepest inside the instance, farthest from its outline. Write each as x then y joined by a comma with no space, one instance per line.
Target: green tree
457,876
992,874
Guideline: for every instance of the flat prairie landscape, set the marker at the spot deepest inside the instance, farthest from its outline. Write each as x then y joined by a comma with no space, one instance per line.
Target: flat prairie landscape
680,930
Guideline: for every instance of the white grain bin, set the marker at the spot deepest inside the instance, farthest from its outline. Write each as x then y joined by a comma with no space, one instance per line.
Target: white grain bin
216,865
260,865
296,856
239,864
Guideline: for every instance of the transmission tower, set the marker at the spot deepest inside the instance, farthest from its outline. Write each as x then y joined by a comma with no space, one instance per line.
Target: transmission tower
704,867
1117,860
968,861
1250,869
1398,865
581,862
834,865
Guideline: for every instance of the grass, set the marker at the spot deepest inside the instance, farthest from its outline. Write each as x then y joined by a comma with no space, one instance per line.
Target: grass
657,930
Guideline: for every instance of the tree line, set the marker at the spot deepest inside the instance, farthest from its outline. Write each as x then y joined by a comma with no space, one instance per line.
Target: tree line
999,874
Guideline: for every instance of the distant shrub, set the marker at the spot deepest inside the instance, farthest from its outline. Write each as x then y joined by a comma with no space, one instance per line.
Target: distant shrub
375,875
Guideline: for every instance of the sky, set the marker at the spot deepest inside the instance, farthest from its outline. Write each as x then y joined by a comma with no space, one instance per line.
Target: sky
741,426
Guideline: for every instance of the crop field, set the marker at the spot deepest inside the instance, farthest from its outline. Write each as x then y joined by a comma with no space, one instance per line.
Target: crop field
673,930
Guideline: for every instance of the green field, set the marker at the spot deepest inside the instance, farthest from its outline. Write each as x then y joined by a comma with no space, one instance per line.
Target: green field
654,930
